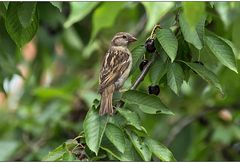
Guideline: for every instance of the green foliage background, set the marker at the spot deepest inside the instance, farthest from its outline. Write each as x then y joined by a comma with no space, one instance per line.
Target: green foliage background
50,54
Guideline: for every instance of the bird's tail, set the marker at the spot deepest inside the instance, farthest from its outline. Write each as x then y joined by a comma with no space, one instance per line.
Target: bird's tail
106,101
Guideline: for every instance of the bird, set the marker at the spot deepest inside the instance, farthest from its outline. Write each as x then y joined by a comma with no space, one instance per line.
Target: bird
115,70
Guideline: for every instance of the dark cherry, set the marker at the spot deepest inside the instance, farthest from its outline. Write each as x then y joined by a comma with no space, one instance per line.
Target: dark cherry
149,45
154,89
143,64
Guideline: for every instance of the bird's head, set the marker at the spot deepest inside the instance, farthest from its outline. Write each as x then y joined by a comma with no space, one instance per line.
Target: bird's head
122,39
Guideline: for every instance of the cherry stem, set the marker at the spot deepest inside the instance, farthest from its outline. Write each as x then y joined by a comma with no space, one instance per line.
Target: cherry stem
154,30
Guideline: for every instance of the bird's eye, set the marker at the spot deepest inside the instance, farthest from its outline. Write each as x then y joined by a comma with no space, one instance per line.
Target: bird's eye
124,36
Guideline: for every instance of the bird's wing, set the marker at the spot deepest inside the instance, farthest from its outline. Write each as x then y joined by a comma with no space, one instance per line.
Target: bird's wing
114,65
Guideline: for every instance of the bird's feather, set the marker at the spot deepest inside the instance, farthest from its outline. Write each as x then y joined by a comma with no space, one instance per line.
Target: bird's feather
115,63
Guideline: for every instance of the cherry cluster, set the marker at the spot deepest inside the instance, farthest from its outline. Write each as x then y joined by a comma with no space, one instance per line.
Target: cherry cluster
149,45
150,48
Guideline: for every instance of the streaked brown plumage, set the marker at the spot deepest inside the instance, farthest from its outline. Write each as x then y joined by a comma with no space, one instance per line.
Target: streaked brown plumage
115,69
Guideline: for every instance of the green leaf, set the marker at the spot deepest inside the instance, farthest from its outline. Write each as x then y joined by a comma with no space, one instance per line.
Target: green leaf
56,154
223,134
222,51
175,77
58,5
102,17
94,127
155,12
235,38
159,150
8,55
131,117
168,41
201,28
116,136
235,32
26,13
2,10
79,10
70,144
8,64
137,55
6,4
190,34
16,30
150,104
62,152
193,12
129,154
140,146
158,69
206,74
223,10
232,46
68,156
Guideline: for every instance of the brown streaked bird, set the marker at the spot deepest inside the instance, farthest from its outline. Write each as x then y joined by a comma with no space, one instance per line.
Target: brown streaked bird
115,69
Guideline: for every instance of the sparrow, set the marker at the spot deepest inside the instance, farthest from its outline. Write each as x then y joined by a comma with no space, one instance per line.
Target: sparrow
115,69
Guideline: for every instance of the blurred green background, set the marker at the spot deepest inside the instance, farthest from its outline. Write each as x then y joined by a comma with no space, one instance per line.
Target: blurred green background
49,84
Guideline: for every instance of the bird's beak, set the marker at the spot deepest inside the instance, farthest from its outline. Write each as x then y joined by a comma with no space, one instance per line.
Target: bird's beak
132,39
